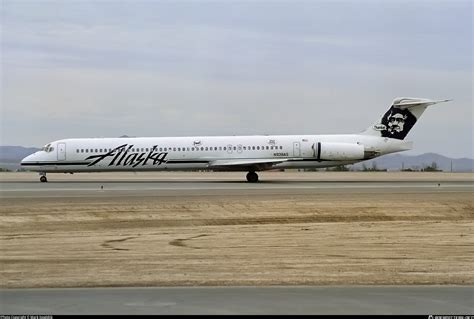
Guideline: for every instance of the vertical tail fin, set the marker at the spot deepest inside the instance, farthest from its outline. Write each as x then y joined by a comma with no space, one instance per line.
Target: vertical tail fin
400,118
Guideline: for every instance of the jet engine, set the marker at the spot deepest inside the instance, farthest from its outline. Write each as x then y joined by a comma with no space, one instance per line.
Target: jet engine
339,151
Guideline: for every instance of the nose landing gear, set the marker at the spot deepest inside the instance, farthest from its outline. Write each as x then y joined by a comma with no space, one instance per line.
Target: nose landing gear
252,177
43,178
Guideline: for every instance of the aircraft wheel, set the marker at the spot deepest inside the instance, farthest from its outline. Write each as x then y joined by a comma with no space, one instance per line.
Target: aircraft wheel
252,177
43,179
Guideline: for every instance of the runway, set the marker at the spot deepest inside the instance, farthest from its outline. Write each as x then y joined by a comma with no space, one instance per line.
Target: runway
381,300
225,184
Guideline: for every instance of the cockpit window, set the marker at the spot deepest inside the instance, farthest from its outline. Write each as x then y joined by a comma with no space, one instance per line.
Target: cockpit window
47,148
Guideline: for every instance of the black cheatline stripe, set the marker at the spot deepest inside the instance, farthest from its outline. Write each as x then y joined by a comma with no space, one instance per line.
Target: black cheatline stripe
53,163
187,162
306,160
319,151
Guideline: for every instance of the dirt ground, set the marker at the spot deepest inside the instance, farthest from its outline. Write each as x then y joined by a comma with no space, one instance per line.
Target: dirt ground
339,238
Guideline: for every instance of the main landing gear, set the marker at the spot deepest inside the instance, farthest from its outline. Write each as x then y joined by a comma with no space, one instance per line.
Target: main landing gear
252,177
43,178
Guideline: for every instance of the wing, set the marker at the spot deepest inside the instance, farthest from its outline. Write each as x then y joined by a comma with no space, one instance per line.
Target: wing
260,164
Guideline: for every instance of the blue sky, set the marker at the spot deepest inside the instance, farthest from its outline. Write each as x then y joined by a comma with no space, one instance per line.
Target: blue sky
178,68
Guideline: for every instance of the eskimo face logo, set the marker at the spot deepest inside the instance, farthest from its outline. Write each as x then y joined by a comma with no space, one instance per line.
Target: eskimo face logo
123,156
397,123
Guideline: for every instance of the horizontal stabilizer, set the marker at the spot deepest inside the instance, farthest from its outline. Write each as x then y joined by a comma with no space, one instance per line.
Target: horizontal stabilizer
408,102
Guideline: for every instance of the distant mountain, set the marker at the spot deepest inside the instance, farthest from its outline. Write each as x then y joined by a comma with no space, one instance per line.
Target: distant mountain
10,157
14,154
397,162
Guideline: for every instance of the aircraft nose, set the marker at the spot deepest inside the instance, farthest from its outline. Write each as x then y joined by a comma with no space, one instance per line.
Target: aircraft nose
27,159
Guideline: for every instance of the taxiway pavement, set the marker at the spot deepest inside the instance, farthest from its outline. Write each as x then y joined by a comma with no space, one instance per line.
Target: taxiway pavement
381,300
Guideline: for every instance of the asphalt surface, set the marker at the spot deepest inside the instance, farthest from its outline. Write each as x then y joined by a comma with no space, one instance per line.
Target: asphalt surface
202,188
404,300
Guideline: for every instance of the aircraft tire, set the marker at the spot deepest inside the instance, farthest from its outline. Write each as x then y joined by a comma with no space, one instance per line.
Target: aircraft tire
252,177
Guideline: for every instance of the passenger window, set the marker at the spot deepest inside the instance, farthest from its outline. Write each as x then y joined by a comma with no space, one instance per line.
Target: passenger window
267,147
215,148
245,147
220,148
258,147
179,149
281,147
224,148
235,148
202,148
174,149
206,148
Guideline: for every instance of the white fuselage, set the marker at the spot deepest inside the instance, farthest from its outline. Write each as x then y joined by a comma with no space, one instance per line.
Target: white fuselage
242,153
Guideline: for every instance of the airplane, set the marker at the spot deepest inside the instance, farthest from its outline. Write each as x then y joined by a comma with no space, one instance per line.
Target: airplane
232,153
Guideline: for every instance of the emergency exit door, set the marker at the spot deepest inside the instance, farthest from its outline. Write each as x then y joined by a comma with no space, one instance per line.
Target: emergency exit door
296,149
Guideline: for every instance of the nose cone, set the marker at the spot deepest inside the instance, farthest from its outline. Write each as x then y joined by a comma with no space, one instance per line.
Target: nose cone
27,160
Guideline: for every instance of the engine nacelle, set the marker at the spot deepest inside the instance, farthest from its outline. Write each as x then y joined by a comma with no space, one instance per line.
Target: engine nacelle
339,151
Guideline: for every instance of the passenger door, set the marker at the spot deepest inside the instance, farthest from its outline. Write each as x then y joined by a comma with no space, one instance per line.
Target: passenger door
61,151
